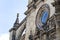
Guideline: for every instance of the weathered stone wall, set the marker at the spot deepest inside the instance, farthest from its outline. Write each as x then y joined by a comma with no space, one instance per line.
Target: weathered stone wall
10,38
31,18
29,1
20,30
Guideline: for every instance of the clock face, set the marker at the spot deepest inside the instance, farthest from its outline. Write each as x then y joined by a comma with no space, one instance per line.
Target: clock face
44,17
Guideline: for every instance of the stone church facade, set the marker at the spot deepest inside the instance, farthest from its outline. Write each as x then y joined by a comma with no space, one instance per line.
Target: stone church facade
42,22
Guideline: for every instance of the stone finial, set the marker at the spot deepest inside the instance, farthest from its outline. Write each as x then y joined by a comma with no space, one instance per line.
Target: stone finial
17,15
16,24
17,19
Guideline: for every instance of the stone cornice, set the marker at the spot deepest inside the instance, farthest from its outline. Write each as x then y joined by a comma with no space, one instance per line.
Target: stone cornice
32,6
28,11
56,14
14,28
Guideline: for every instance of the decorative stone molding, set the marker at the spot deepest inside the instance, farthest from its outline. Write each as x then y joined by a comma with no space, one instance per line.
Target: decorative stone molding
32,6
39,14
14,28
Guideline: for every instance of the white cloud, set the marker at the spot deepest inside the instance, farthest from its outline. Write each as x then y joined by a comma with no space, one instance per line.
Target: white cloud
4,36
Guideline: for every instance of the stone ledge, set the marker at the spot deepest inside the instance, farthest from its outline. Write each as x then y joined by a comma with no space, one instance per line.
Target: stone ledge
31,6
14,28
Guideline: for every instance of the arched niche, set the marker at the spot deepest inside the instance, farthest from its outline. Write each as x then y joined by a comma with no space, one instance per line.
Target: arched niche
40,13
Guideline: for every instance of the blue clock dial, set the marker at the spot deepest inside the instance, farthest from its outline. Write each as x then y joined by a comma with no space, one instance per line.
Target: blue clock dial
44,17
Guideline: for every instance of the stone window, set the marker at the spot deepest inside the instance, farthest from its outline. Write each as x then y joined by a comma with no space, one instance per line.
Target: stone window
41,17
44,16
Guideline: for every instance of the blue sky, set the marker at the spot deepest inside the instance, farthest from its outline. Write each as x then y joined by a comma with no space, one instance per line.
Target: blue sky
8,11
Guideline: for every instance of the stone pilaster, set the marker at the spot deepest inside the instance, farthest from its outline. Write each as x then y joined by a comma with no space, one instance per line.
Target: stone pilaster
12,33
57,18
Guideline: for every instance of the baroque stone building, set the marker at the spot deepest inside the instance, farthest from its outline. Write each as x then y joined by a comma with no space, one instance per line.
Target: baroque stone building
42,22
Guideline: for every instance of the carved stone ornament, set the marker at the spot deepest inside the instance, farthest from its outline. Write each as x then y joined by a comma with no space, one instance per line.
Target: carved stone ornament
42,16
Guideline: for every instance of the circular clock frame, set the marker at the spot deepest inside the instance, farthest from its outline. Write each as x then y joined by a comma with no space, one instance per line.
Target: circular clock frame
38,22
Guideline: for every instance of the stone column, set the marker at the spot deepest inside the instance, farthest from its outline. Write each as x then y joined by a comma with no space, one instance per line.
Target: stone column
12,34
57,18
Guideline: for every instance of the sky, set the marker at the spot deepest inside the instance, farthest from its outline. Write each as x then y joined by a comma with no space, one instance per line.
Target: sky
8,12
